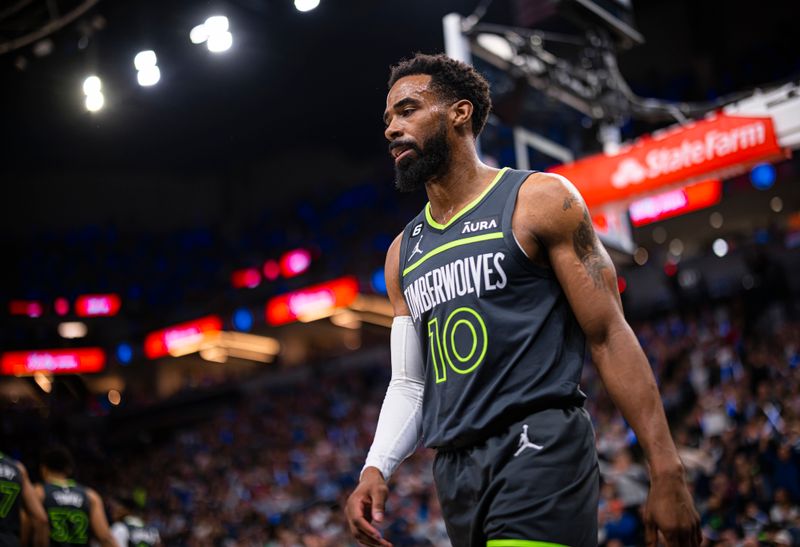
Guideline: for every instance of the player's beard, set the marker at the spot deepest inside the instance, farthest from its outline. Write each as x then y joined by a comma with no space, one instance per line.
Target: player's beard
432,160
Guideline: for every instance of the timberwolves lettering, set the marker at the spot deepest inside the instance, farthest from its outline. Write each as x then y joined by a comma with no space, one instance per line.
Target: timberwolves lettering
472,275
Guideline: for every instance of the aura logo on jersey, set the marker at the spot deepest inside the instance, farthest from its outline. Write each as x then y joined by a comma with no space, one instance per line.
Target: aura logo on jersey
472,226
476,275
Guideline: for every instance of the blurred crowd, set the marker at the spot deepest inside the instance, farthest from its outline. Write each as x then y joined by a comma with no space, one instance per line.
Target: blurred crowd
275,469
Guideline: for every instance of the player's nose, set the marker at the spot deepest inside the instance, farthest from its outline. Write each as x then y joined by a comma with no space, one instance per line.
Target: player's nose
393,131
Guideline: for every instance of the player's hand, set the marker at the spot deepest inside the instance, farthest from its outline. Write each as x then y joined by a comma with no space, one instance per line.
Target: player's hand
366,505
670,510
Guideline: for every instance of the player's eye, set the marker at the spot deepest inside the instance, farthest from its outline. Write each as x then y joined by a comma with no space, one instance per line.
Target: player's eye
407,112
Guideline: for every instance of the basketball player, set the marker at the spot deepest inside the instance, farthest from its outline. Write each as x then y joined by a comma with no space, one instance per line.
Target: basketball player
74,511
16,492
130,530
497,286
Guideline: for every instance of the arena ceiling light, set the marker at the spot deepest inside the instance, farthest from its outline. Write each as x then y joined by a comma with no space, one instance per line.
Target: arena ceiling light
72,329
305,5
92,88
214,32
146,63
720,247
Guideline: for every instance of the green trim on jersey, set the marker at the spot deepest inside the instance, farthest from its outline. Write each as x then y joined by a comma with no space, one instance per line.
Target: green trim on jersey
450,245
66,483
521,543
467,208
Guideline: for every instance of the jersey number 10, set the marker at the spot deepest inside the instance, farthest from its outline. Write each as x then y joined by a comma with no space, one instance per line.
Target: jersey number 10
445,352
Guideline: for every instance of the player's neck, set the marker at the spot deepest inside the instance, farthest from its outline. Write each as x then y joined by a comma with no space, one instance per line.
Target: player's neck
466,178
57,478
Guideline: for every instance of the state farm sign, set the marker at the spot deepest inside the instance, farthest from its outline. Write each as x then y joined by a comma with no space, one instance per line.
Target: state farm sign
699,149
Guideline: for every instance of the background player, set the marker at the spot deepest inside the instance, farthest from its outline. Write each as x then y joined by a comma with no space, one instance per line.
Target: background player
17,493
72,509
128,529
511,257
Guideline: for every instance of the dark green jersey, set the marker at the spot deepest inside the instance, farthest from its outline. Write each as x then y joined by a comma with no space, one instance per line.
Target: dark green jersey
498,335
67,508
10,488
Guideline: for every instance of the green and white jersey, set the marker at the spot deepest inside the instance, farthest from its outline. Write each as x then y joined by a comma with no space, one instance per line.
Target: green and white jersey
67,507
10,488
499,337
132,532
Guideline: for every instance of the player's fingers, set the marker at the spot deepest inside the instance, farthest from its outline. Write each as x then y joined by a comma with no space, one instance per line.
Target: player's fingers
371,538
378,496
357,511
689,536
369,541
370,534
650,534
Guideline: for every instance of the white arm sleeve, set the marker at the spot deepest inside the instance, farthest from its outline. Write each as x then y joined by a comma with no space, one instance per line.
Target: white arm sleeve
400,422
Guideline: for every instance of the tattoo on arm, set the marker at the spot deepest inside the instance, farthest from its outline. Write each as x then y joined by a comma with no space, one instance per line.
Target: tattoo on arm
584,242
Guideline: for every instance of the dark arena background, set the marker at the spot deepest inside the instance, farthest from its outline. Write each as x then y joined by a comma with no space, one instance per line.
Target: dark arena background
197,201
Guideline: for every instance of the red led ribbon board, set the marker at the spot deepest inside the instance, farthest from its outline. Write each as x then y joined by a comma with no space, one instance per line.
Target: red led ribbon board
31,308
676,202
172,339
699,150
311,301
53,361
97,305
248,278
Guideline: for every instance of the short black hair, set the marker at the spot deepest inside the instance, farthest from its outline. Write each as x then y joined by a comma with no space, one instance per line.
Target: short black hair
452,80
57,458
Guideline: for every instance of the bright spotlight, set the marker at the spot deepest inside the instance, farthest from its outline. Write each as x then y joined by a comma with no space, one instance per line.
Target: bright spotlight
92,85
306,5
144,60
114,397
720,247
95,101
216,24
72,329
219,42
149,75
198,34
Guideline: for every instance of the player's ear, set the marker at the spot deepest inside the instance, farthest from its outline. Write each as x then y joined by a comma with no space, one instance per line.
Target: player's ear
461,113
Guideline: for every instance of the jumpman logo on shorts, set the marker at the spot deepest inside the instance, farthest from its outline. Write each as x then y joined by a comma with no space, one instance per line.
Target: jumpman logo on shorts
416,249
525,442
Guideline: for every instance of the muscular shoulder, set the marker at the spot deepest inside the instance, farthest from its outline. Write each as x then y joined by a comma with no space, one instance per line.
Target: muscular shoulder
21,469
94,497
391,272
549,207
393,254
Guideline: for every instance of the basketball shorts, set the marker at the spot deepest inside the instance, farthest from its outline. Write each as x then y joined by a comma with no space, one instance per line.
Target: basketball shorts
534,484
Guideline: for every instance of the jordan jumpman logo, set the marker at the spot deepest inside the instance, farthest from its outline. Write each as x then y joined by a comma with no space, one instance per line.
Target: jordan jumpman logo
416,249
525,442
